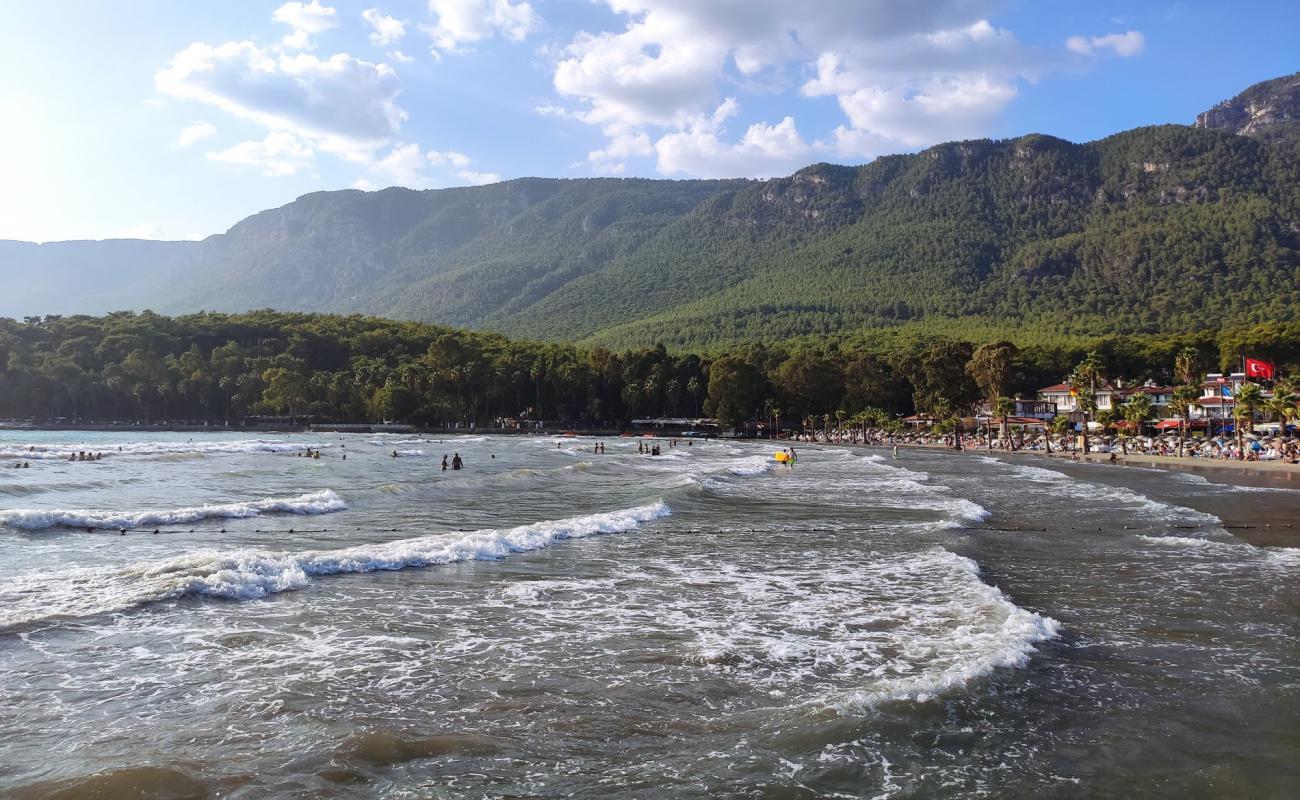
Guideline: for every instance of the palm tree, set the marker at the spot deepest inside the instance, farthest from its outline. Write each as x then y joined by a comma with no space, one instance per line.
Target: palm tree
1181,405
839,425
1058,425
1281,406
1187,369
776,412
1083,383
1136,410
1002,409
1249,399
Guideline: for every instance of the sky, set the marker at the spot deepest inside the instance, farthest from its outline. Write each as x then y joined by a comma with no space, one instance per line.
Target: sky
174,120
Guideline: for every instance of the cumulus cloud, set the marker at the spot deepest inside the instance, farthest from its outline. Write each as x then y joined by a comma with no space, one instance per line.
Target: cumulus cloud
387,30
1125,45
306,19
341,104
194,133
461,22
279,154
478,178
904,74
447,157
405,165
764,151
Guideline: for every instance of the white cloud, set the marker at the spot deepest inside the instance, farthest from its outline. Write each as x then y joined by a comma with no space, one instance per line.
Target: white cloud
461,22
624,143
279,154
904,74
764,151
194,133
341,104
447,157
913,113
478,178
364,185
145,230
399,56
306,19
387,30
403,166
1125,45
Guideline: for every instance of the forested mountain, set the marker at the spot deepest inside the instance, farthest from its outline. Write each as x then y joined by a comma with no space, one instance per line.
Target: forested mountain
1166,228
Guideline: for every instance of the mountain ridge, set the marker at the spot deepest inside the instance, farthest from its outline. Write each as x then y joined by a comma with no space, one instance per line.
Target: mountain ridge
1161,227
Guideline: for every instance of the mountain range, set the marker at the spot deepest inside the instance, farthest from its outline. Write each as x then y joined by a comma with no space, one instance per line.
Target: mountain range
1163,228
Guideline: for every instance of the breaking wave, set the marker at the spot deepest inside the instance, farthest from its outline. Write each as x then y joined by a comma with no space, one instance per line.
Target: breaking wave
250,574
35,519
242,446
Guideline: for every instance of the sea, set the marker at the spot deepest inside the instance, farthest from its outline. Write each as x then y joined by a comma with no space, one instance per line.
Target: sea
217,615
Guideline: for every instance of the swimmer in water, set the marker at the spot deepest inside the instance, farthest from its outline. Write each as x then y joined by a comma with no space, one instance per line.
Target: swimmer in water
444,462
456,463
394,454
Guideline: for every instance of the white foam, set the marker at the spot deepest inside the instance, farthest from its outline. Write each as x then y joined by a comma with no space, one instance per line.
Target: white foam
748,467
850,634
1283,557
250,574
240,446
1200,544
34,519
994,633
1086,492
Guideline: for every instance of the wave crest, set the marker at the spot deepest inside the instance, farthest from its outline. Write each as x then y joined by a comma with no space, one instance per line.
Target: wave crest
324,501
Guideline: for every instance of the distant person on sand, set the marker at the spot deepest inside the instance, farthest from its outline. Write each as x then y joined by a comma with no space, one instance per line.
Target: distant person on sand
456,463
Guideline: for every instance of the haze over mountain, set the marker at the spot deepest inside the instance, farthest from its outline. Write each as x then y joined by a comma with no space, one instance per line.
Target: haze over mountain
1159,228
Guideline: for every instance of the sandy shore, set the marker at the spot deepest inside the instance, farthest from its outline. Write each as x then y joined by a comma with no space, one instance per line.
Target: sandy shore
1171,462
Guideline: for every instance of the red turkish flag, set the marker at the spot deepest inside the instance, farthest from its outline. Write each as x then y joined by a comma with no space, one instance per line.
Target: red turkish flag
1259,369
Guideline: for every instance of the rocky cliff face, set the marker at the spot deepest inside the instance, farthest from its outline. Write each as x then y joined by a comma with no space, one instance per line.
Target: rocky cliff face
1259,111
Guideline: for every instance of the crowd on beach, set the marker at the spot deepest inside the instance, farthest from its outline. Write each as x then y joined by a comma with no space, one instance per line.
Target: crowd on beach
1284,449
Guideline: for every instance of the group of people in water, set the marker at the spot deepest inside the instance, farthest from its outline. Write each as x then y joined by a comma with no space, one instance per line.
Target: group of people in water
82,455
456,462
310,453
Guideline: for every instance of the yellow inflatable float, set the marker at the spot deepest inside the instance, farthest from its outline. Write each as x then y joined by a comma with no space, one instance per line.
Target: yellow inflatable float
782,458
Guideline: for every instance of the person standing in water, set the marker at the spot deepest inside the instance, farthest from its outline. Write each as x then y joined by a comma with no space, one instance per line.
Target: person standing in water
444,462
456,463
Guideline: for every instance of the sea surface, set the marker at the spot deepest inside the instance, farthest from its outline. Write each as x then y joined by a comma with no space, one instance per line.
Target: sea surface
552,622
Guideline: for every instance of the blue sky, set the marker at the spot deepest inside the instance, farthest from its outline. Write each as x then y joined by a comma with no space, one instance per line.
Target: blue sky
175,120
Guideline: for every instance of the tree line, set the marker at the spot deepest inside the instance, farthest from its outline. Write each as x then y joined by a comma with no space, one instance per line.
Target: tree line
225,368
